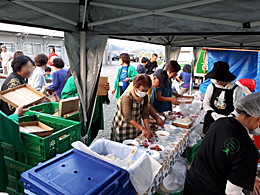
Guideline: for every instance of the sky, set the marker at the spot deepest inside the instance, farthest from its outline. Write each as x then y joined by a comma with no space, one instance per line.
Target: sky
31,30
134,44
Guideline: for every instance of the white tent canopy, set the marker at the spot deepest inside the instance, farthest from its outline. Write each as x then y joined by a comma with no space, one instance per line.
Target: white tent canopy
192,23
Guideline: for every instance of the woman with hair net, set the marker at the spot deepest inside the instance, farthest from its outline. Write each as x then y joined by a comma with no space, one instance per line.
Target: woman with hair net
226,162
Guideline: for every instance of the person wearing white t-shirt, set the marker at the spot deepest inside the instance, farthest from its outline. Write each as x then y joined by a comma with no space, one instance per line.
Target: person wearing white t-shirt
6,57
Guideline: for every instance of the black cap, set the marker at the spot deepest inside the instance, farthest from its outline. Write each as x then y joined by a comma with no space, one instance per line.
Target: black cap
162,77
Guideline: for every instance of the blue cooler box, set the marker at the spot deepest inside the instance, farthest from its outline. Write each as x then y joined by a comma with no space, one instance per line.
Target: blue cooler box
75,172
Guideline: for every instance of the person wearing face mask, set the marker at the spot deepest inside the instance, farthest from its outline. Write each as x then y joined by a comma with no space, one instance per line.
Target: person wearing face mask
161,98
125,75
133,107
226,162
221,94
159,79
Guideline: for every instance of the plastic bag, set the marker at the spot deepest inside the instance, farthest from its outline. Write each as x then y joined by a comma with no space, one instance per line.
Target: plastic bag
175,180
194,138
142,172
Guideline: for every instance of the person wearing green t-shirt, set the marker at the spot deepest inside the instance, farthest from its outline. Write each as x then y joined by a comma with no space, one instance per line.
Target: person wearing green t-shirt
125,75
97,123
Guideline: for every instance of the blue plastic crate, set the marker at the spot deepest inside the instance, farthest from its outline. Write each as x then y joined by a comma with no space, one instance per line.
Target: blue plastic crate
75,172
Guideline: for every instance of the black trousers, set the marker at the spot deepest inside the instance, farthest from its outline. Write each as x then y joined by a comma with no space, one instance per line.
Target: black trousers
208,120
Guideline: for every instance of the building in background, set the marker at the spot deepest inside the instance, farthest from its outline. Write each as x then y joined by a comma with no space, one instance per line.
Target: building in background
32,40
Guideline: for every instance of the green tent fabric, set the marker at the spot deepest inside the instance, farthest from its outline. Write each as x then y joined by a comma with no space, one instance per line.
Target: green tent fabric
10,133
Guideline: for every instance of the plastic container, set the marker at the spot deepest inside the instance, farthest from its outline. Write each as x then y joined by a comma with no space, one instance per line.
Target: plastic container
191,152
196,104
14,171
131,142
50,108
169,128
156,145
162,135
154,154
38,149
75,172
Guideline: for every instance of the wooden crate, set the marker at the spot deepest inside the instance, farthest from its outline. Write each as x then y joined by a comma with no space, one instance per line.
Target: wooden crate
36,127
21,95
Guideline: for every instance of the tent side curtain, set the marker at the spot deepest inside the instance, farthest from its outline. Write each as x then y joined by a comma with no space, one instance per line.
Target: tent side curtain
95,46
243,64
196,54
172,53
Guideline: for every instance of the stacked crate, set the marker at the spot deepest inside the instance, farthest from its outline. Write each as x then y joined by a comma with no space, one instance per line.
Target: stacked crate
38,149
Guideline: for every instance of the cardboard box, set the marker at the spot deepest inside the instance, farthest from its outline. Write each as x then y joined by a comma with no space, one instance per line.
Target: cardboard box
68,105
101,90
36,128
21,95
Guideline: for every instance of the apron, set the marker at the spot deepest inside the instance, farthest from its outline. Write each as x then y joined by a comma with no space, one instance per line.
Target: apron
122,130
221,102
127,83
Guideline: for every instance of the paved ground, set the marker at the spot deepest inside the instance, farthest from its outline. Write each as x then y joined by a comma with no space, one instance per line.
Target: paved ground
109,110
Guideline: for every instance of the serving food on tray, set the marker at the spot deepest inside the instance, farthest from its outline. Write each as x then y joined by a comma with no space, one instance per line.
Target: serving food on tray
183,122
185,99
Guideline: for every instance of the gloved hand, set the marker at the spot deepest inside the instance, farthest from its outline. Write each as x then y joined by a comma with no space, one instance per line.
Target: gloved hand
217,116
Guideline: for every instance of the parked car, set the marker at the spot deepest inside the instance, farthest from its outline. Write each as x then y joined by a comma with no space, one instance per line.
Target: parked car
134,57
115,56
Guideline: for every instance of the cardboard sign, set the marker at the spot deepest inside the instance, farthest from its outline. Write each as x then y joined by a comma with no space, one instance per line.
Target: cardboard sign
101,90
21,95
68,105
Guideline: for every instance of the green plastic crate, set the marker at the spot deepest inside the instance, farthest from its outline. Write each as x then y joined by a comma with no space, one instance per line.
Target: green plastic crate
14,171
191,152
50,108
37,149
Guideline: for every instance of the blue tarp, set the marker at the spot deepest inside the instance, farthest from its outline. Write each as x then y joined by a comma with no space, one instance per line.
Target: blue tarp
243,64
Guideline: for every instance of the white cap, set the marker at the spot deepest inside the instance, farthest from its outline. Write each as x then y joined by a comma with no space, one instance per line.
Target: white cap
249,104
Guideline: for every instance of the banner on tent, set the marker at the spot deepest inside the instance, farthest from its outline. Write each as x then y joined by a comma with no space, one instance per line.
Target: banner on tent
243,64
